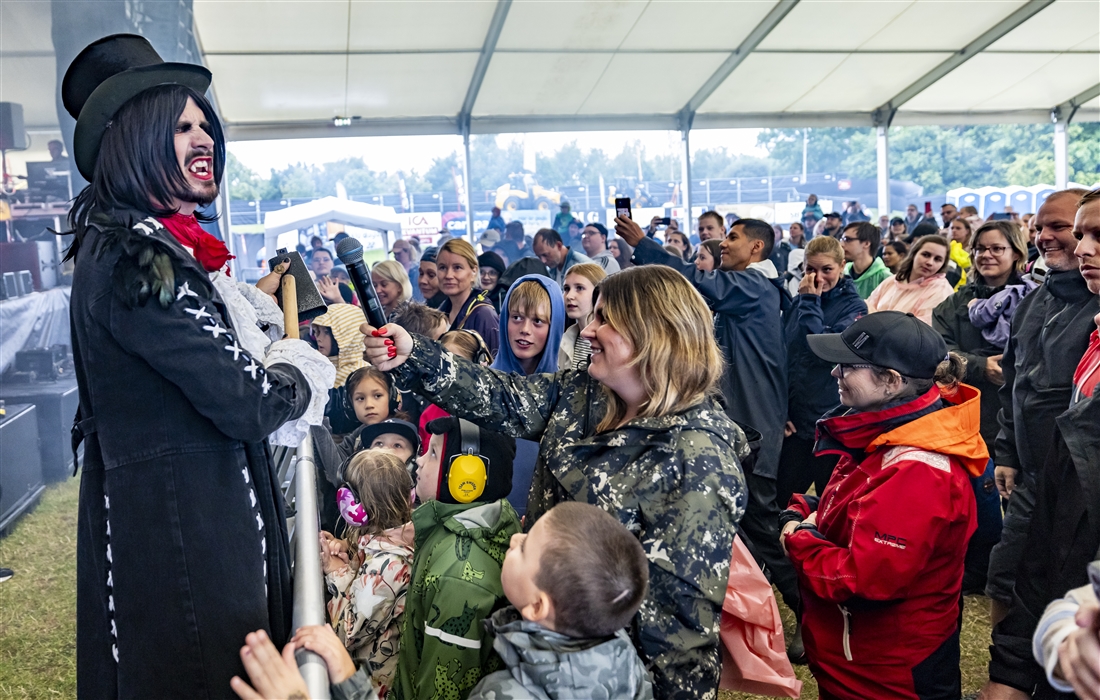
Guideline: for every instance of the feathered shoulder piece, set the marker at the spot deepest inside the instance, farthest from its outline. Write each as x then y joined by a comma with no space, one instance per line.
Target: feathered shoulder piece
147,266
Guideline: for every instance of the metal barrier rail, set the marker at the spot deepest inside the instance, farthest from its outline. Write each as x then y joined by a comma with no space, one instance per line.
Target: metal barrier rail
300,472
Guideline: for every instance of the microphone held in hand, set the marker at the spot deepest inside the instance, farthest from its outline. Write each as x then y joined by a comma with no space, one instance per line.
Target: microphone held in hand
350,252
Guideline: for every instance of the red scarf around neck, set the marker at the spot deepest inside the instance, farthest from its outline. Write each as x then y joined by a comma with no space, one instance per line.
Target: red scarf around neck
208,250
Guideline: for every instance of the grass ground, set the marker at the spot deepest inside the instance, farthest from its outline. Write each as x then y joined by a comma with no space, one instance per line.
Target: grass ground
38,609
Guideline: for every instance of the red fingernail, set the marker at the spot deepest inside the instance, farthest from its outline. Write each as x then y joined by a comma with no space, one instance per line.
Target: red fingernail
376,334
392,353
381,331
389,342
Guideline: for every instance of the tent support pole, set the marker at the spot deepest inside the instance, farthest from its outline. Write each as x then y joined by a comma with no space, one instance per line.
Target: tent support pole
1061,159
685,175
883,152
468,203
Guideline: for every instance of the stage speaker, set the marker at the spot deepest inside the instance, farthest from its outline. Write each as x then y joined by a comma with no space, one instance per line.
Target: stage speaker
21,478
13,137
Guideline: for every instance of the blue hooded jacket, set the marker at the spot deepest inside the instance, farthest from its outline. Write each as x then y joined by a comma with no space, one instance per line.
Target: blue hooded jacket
506,359
527,451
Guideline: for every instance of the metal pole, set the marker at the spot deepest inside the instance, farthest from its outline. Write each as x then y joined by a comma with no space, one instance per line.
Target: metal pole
466,179
686,178
309,594
1061,159
882,146
805,150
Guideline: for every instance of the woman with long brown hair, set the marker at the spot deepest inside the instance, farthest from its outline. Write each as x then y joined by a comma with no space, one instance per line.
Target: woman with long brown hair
639,435
920,283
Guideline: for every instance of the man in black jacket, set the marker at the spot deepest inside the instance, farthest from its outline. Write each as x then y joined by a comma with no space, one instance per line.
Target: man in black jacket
181,536
1050,333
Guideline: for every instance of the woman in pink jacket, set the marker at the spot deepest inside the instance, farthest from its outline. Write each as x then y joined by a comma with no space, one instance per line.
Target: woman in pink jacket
920,283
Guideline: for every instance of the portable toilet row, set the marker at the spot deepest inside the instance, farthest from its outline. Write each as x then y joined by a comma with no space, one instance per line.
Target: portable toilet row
990,200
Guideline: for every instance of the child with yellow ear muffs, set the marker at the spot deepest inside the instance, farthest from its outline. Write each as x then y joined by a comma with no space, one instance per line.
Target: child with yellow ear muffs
463,527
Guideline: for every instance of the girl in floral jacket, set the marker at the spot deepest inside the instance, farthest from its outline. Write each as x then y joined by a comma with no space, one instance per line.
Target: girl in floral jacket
368,572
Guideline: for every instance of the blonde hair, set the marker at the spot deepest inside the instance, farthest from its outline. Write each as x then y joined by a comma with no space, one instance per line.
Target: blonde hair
459,247
529,298
383,486
590,271
671,331
826,245
395,272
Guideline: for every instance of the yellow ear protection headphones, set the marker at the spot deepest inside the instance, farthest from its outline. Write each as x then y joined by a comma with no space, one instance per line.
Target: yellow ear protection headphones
468,471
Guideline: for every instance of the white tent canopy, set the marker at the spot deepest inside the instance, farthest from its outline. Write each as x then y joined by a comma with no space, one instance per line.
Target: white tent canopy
319,211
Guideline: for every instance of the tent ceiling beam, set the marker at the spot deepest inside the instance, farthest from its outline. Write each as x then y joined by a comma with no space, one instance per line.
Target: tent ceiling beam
757,35
433,126
884,115
500,14
1068,109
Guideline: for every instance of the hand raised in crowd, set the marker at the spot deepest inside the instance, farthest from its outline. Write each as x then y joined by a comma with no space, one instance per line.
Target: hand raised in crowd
269,283
654,224
272,675
1005,477
811,284
993,370
330,290
629,231
321,640
386,347
1079,654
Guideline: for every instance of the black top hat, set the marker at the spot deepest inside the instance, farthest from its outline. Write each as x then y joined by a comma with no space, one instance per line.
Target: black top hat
105,76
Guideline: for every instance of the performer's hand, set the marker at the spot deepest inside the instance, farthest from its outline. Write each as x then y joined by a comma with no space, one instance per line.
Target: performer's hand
321,640
269,283
387,347
273,676
629,231
330,290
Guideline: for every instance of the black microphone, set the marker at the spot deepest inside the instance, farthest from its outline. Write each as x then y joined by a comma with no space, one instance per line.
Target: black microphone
350,252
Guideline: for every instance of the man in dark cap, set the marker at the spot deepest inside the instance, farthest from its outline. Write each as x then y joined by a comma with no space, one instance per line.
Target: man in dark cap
181,536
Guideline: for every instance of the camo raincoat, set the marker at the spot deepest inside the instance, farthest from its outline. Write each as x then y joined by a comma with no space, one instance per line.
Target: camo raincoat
674,481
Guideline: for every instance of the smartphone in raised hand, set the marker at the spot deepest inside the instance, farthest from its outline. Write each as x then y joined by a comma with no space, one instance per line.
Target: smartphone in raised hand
622,207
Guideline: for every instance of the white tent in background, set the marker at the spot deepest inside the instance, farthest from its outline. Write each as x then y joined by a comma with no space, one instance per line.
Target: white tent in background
319,211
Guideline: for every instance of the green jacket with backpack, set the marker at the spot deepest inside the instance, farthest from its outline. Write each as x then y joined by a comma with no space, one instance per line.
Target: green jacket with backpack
455,585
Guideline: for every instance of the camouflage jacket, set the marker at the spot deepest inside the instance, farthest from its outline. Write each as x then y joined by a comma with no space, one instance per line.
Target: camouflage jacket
674,481
455,585
543,664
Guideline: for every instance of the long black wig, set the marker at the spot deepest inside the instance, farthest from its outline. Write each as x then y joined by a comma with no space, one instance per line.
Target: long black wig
136,170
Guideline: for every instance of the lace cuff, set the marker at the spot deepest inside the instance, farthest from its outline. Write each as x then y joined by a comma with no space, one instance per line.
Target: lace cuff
319,372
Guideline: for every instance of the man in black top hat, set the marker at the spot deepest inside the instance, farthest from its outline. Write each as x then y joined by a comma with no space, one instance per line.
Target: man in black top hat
181,538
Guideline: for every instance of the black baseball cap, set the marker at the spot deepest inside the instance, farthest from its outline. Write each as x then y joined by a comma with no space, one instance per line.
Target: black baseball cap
890,339
392,425
832,214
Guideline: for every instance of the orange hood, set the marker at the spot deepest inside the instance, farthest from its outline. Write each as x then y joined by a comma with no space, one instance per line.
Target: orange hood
954,431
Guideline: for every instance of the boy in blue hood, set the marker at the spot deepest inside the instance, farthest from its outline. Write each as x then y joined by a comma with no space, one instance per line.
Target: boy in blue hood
532,322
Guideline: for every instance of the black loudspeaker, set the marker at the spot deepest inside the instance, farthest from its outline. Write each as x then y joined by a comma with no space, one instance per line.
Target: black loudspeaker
21,481
55,405
13,137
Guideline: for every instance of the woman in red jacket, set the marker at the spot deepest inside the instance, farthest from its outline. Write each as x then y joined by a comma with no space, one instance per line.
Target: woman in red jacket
880,555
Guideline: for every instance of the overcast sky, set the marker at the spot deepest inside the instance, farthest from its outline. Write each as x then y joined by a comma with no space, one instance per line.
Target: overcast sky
392,153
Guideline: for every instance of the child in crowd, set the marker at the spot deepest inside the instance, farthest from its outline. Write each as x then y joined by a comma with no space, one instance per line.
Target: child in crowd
372,400
532,327
574,582
422,320
580,283
465,344
1065,640
368,572
462,532
530,335
337,337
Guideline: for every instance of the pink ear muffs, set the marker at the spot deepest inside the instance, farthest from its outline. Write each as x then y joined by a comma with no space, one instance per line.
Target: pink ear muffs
351,510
